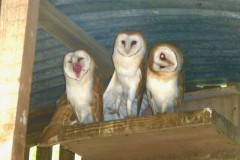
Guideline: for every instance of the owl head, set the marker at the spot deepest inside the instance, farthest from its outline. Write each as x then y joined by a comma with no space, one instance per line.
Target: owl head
165,57
76,64
129,44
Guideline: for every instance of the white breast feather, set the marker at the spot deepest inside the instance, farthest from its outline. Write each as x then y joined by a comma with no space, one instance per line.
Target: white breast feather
80,97
123,78
164,93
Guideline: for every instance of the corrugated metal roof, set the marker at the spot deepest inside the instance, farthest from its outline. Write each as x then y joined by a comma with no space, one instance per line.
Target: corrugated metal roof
207,31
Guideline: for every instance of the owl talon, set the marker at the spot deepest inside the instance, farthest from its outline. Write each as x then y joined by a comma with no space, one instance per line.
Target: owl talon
161,113
130,117
82,124
73,123
113,111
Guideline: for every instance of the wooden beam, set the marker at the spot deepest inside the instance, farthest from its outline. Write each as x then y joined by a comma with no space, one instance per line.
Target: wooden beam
44,153
225,101
66,154
18,25
73,37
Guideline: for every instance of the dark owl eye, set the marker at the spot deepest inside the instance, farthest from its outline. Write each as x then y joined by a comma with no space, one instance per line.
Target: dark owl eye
123,42
162,56
79,59
133,43
69,61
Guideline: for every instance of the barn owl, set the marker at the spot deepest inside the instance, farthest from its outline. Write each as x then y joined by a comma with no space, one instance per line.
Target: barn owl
128,80
165,78
84,87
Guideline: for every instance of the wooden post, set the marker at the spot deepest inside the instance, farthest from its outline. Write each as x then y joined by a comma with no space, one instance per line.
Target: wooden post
66,154
18,24
26,153
44,153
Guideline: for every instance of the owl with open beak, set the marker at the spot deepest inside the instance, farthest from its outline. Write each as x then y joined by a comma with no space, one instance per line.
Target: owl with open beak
84,87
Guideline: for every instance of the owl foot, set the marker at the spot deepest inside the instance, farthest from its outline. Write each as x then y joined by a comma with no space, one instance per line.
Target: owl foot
113,111
72,123
160,113
82,124
130,117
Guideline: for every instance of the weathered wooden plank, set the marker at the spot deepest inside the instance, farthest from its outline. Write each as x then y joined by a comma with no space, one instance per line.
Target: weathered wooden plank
73,37
237,108
236,111
188,134
44,153
224,100
190,142
135,125
127,126
66,154
226,127
18,25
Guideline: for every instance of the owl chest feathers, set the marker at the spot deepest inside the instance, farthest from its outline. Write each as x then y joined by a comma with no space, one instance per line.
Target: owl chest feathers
128,70
79,93
162,90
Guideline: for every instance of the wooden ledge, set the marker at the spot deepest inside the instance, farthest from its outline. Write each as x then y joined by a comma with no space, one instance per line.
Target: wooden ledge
119,127
182,135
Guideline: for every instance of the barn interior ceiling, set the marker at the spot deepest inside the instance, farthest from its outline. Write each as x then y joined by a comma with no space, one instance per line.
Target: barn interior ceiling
207,31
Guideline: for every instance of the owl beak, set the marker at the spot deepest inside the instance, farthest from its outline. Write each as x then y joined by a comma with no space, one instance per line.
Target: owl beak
167,64
77,68
127,49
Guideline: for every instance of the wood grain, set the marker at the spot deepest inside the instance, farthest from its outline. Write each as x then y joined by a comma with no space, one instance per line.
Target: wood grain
18,25
224,100
181,135
134,125
185,135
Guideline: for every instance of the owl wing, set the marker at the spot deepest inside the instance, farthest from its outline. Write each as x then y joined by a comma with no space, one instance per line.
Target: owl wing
178,101
110,96
97,104
141,85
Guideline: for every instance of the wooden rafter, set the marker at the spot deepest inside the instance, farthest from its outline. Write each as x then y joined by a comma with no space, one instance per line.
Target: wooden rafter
73,37
18,25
